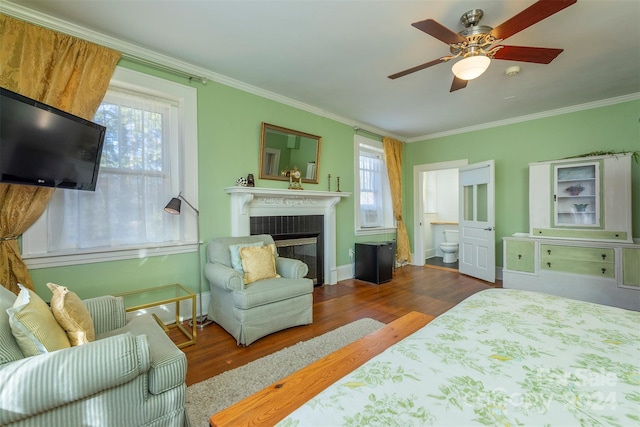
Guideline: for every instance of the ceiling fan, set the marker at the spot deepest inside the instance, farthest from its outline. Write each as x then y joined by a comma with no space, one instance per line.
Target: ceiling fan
478,44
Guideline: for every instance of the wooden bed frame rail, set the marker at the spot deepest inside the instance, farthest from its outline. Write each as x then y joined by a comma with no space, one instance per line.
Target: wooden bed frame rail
274,403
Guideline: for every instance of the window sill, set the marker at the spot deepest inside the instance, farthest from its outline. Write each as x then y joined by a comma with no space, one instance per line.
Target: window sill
76,258
375,230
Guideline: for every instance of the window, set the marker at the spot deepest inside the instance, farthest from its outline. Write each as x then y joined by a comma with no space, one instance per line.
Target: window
371,164
374,213
148,157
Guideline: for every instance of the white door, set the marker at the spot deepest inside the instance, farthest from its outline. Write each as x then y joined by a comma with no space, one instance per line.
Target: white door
477,236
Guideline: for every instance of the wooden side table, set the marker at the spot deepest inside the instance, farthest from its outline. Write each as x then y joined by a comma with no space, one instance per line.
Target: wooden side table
162,295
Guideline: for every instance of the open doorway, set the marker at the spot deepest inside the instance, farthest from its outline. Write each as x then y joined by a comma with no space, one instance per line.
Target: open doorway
436,213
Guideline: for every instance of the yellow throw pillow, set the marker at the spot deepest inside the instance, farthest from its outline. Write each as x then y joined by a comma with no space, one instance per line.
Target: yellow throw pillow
258,263
33,325
234,251
72,315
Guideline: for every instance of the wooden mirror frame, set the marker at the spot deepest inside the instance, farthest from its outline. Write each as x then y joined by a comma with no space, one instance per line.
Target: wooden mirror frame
274,139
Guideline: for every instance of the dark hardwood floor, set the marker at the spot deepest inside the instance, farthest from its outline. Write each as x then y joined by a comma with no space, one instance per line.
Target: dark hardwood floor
428,290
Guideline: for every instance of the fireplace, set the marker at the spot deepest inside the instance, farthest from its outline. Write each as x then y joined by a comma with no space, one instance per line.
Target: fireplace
296,236
305,249
251,205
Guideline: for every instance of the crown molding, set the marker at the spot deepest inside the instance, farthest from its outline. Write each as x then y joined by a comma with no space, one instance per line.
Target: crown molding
167,63
164,62
544,114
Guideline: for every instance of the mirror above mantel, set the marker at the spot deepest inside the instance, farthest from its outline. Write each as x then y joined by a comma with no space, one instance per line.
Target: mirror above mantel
283,149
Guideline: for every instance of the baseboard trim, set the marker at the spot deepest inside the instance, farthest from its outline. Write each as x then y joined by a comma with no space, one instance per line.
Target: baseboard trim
345,272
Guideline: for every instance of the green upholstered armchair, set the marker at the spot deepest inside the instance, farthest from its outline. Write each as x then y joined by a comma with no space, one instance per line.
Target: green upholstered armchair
249,312
131,375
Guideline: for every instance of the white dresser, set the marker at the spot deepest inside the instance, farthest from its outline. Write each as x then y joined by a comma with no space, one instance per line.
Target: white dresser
580,241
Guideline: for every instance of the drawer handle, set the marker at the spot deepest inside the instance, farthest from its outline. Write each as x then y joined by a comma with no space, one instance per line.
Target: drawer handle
604,270
604,256
549,251
549,264
519,256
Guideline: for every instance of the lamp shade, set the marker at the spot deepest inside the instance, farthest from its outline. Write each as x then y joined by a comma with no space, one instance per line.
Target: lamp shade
173,207
471,67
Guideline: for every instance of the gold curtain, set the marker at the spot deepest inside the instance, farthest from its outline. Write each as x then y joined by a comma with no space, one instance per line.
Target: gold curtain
393,157
59,70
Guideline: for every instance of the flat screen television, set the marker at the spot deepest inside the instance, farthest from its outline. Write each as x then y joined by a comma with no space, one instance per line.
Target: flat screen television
42,145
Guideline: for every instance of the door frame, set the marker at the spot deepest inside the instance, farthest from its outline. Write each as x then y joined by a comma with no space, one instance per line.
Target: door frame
418,202
273,154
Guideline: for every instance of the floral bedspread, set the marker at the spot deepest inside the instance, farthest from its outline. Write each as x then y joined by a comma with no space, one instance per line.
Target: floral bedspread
501,357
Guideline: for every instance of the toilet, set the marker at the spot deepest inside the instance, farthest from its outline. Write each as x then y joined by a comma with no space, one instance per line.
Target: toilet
449,246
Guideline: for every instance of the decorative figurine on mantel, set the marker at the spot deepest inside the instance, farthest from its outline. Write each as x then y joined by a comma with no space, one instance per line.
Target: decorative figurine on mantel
295,179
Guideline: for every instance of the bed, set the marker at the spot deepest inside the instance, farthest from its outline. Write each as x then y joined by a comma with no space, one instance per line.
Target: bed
500,357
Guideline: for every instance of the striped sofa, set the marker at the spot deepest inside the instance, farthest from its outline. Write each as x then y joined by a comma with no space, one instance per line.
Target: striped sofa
131,375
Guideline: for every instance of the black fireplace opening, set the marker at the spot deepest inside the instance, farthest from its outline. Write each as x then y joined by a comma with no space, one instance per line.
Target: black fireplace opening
298,237
302,247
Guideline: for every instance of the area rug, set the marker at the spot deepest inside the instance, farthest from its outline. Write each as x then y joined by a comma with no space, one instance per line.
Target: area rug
213,395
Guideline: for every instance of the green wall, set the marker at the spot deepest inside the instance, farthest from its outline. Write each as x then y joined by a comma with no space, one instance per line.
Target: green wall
229,139
228,143
514,146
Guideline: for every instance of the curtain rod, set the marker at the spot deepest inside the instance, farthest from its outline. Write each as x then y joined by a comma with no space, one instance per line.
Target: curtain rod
359,129
163,67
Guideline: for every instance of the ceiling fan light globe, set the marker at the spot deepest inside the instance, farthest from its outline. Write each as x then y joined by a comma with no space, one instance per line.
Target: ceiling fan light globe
471,67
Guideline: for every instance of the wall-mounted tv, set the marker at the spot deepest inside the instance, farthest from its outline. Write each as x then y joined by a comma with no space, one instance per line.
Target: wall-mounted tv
42,145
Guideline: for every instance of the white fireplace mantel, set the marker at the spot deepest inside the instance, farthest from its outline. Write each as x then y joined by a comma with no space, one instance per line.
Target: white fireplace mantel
247,202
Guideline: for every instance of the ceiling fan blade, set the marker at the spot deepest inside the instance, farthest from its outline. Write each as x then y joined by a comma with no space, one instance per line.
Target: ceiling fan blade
418,67
538,55
535,13
458,84
438,31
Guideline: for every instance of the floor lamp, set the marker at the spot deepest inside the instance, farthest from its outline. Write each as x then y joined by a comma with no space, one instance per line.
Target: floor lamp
173,207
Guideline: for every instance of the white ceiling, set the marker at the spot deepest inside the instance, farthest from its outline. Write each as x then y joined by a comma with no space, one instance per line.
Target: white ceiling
335,55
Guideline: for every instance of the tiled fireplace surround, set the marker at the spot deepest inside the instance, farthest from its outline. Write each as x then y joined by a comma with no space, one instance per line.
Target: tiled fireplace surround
250,205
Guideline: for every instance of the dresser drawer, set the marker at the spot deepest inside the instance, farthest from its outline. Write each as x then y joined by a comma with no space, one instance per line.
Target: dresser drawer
577,253
576,260
631,267
600,269
562,233
520,255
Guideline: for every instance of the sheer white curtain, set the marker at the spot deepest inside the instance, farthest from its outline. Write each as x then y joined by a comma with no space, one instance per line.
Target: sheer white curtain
135,182
371,197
